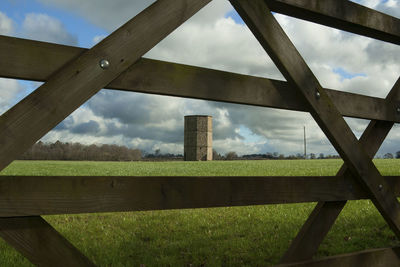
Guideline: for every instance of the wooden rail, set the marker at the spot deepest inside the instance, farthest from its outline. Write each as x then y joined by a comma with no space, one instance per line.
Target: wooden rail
34,60
343,15
45,195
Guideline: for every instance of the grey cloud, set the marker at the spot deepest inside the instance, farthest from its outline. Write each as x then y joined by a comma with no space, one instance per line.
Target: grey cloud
145,132
66,124
139,115
383,53
130,107
90,127
152,117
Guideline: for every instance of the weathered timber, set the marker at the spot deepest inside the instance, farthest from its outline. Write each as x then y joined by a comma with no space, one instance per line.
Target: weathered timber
312,233
322,218
343,15
33,60
40,243
273,39
382,257
73,84
44,195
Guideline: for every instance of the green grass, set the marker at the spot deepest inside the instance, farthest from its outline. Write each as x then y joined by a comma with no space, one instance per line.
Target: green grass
177,168
233,236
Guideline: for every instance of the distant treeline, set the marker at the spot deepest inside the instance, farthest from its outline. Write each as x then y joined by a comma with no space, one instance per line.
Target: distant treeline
100,152
77,151
273,156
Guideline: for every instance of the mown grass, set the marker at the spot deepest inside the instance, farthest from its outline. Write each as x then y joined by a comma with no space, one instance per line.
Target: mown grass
233,236
177,168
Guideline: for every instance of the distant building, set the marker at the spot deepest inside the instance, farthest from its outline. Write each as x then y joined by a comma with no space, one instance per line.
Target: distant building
198,138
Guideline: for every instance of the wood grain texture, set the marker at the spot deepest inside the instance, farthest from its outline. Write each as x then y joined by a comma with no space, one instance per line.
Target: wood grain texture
44,195
343,15
69,87
322,218
273,39
33,60
382,257
40,243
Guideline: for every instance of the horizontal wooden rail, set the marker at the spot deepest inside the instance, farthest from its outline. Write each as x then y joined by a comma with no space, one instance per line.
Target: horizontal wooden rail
33,60
343,15
43,195
382,257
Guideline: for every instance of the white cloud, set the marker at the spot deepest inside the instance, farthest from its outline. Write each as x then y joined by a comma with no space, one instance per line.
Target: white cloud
370,3
6,24
10,91
45,28
222,45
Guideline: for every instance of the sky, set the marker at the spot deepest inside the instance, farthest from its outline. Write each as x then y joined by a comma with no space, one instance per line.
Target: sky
216,38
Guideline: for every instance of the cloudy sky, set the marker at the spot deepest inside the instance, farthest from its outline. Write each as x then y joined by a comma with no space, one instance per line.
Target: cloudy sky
215,38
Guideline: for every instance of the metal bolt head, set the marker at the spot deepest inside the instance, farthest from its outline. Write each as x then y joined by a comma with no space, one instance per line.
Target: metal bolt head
317,95
104,64
380,187
398,110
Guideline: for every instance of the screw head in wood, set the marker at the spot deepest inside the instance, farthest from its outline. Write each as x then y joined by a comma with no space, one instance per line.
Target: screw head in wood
380,187
104,64
317,95
398,110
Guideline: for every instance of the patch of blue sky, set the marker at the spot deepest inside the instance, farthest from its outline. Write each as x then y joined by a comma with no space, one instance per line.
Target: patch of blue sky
347,75
235,16
249,136
74,24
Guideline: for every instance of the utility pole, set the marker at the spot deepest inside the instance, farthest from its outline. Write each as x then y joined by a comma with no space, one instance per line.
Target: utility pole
305,145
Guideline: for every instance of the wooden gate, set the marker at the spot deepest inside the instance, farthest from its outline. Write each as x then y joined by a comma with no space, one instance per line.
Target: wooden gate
72,75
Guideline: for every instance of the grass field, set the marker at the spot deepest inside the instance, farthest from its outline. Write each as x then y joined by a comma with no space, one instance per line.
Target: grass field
233,236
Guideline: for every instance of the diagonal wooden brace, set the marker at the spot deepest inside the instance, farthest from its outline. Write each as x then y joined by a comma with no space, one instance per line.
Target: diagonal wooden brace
320,221
340,14
72,85
40,243
271,36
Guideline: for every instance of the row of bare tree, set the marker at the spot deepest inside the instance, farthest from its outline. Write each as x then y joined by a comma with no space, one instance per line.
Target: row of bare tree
77,151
